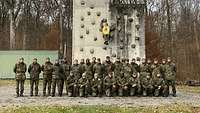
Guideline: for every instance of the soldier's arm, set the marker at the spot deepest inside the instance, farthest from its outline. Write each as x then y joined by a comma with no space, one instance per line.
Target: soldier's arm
15,68
40,68
29,68
25,68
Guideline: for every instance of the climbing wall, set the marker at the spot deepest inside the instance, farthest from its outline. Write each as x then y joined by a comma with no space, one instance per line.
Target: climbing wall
87,38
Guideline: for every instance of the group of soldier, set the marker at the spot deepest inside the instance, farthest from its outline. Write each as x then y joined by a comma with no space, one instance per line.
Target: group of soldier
94,78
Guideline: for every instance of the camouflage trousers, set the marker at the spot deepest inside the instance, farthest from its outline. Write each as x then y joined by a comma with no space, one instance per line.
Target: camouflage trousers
72,90
173,85
20,87
148,91
111,91
97,91
47,82
83,91
59,83
34,82
123,90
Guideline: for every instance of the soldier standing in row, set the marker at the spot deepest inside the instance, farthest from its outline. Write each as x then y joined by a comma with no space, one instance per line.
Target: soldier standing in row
47,69
34,70
108,66
76,71
98,69
170,75
135,65
20,76
66,70
118,67
57,79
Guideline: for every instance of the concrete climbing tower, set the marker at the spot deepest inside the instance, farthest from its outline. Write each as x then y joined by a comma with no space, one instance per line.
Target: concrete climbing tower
125,17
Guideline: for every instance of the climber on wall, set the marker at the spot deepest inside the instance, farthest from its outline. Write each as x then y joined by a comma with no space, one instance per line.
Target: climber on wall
105,29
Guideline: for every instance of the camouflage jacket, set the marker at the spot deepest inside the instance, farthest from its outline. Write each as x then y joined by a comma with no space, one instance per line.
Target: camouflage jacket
34,70
20,70
170,71
47,68
57,72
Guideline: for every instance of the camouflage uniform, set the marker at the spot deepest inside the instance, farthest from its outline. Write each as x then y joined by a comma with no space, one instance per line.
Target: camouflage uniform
47,69
127,69
110,85
159,86
143,71
118,67
34,70
57,79
96,85
147,86
134,85
122,83
83,86
76,71
170,76
72,85
98,69
89,74
20,76
108,66
82,67
66,69
135,66
155,70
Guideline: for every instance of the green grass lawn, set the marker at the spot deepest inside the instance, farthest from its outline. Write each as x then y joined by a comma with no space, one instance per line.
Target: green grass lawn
183,88
103,109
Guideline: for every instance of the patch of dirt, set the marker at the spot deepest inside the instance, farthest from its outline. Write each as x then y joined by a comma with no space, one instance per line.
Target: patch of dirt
8,99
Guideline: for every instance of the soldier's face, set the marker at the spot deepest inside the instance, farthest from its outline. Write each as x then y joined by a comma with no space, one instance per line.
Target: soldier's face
155,62
87,61
47,60
34,61
93,59
133,61
75,62
163,61
21,60
149,61
168,60
107,59
56,62
143,61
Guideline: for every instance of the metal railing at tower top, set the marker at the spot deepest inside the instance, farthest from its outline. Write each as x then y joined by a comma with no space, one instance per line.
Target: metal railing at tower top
126,3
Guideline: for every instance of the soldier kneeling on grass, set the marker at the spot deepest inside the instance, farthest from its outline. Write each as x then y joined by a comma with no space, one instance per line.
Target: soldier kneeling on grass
147,86
159,86
71,85
96,85
122,83
134,85
83,85
110,85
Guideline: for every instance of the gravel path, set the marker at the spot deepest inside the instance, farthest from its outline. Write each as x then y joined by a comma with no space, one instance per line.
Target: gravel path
7,99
